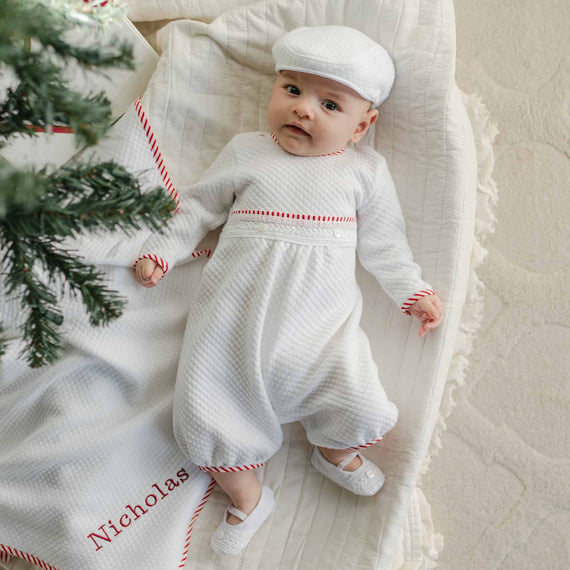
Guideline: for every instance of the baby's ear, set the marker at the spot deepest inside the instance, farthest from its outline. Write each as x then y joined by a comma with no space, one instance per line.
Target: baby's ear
368,120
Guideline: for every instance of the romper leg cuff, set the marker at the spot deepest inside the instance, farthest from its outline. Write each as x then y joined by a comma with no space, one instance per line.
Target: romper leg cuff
366,444
234,469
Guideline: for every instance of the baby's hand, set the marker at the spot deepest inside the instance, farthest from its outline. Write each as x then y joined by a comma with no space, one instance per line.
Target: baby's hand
430,312
148,272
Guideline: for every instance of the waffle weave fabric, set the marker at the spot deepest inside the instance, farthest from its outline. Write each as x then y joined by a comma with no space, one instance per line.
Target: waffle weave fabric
274,333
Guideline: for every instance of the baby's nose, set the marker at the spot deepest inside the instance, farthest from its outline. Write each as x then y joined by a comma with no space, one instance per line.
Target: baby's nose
303,109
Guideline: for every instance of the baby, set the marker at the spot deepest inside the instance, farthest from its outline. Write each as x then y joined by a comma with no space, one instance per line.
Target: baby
274,333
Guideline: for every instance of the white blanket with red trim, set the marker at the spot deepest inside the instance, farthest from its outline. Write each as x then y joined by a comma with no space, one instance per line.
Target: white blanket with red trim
90,475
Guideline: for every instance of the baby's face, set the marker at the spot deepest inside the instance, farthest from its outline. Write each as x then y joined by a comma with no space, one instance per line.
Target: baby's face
312,115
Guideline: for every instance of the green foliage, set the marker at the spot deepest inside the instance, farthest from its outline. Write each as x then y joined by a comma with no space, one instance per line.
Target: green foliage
42,96
39,210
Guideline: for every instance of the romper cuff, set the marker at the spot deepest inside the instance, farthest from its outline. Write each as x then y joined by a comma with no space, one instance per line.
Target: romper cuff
163,264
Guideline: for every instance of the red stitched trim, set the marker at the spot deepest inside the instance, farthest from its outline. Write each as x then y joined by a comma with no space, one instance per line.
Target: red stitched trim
365,444
329,154
206,252
54,129
411,300
29,557
231,469
156,154
309,217
100,4
5,557
159,260
193,521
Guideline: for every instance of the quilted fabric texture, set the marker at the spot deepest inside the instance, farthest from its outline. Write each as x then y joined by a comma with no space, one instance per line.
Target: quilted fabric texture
253,172
93,435
425,136
89,469
273,335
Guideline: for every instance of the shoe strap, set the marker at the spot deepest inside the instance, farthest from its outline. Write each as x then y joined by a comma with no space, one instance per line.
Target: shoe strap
347,460
235,511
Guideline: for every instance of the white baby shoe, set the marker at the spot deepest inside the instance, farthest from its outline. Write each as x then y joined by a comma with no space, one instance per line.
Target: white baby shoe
232,539
366,480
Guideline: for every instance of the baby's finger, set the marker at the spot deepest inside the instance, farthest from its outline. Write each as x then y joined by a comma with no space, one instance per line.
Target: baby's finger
429,326
148,268
438,304
156,275
423,330
143,272
431,309
139,274
432,325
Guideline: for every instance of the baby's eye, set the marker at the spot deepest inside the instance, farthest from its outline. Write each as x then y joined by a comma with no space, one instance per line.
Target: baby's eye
331,105
293,89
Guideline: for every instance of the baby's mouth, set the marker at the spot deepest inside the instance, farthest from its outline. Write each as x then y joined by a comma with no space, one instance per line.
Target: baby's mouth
297,130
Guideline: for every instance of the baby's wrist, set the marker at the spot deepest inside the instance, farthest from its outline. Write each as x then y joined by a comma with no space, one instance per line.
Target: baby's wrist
413,299
157,260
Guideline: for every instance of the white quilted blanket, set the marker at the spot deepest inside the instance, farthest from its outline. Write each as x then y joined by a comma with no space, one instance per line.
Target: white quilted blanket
90,475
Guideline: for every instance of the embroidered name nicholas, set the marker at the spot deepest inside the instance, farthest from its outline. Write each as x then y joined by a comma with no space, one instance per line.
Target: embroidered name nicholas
113,528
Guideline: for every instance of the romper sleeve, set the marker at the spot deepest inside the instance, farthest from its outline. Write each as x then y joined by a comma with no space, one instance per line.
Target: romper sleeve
382,244
203,207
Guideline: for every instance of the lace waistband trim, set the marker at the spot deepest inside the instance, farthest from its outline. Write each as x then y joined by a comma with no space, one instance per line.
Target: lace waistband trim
272,215
293,230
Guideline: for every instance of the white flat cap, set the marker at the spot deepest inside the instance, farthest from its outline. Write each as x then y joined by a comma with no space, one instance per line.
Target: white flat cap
340,53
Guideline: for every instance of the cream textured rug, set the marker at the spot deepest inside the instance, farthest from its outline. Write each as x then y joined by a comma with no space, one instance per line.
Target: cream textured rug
499,491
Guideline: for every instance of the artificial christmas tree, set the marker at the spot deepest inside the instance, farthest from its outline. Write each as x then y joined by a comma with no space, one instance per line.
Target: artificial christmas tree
40,41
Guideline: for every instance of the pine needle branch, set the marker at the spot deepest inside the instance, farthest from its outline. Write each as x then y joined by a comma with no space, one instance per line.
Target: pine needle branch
41,339
41,95
41,41
102,304
37,211
73,199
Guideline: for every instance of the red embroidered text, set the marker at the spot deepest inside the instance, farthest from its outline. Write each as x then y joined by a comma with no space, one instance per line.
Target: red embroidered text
133,512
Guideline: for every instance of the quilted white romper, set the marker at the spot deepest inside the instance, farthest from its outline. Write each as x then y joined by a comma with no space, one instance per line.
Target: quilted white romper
273,335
